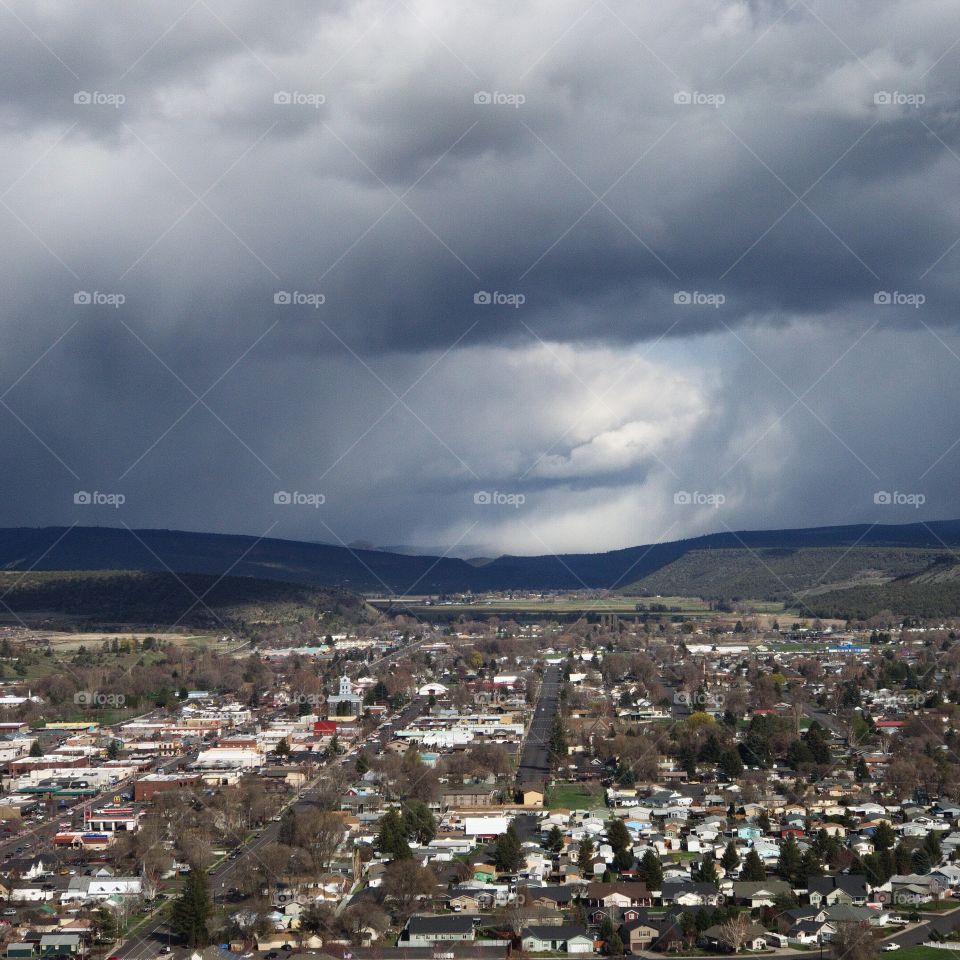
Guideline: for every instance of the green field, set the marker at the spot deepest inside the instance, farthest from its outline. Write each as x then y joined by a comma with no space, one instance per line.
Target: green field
573,796
923,953
567,604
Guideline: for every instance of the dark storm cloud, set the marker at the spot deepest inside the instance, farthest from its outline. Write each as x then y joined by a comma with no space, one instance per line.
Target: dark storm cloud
700,173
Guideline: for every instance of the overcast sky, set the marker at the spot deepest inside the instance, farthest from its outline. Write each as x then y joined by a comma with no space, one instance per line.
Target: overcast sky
619,271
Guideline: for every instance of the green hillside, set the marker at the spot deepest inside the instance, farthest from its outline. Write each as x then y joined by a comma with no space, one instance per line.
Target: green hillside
933,594
782,573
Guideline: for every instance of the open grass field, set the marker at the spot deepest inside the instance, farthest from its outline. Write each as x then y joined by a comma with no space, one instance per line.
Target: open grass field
567,604
573,796
924,953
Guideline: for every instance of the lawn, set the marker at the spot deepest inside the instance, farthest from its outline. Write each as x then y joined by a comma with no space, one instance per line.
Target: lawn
921,953
574,796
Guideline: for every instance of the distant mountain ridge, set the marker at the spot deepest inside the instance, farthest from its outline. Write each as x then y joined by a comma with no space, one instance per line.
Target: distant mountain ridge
317,564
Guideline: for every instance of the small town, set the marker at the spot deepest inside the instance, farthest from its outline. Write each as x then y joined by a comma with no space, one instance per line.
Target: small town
647,785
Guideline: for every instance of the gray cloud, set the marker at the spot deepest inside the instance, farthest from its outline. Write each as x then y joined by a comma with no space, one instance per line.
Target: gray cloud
776,206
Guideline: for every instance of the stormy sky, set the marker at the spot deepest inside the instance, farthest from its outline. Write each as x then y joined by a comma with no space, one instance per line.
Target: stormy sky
488,277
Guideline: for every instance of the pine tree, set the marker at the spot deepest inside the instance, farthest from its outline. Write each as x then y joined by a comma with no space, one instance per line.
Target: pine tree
192,909
730,859
753,868
392,838
585,857
651,870
883,836
555,839
506,851
789,863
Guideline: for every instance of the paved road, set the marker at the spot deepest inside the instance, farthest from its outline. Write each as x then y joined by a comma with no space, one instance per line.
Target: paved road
534,768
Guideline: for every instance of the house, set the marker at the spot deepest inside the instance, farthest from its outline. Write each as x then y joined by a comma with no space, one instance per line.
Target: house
755,937
559,896
424,931
760,893
565,938
617,895
689,894
59,944
638,934
837,888
811,931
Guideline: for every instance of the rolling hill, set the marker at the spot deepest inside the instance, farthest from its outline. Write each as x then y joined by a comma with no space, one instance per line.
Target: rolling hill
163,599
855,554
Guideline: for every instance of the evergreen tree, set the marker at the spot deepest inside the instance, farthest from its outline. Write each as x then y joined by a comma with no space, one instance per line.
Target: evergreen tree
753,868
507,856
192,909
362,764
618,836
392,837
651,870
557,741
883,836
585,857
789,863
418,822
555,839
731,764
730,859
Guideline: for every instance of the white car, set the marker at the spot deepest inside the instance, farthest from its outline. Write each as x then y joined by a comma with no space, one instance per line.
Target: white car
889,947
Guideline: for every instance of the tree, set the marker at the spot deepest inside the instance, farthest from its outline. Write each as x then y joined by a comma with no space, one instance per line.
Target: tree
113,750
730,859
192,909
651,870
731,764
734,931
555,839
753,868
362,764
883,836
618,836
585,857
419,823
557,741
853,942
506,851
404,881
392,838
282,749
789,863
35,750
